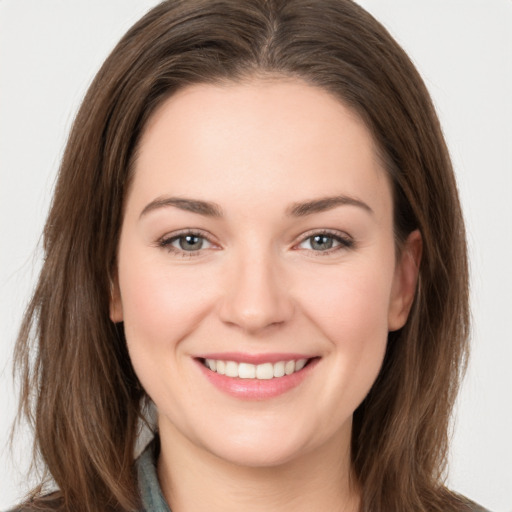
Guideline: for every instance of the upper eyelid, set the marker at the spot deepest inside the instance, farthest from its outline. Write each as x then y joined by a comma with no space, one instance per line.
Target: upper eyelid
329,232
187,231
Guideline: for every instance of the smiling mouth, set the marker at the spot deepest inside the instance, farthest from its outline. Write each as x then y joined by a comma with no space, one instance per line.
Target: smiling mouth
264,371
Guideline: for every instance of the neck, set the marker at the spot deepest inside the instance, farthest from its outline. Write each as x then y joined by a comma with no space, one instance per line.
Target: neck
195,480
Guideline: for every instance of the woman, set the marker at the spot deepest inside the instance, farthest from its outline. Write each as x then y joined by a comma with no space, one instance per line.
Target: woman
256,229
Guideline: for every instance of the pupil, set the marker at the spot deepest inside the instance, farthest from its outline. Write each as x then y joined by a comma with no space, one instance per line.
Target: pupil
322,242
191,242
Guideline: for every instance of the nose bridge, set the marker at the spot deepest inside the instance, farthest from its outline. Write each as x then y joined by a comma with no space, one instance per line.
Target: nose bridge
256,296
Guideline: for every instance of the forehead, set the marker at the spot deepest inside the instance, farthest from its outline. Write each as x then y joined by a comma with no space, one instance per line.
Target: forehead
265,138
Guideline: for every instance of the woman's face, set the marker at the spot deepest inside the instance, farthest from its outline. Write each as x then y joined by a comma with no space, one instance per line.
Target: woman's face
257,237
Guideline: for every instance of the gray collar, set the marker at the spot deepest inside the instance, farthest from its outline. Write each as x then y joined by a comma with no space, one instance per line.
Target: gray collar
149,488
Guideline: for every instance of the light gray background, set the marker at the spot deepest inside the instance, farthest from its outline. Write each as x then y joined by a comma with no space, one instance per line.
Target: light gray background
49,52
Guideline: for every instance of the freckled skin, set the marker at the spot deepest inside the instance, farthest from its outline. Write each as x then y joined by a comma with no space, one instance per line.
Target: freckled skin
257,286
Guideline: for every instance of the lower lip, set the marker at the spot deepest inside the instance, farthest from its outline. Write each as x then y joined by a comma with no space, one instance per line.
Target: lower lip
257,389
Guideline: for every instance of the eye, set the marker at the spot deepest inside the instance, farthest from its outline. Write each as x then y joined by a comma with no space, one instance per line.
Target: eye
188,242
325,242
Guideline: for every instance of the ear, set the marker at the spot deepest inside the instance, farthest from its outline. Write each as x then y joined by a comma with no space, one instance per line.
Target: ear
405,281
115,304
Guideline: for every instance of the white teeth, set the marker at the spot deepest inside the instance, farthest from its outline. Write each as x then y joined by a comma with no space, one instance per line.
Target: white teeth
246,371
221,367
264,371
289,367
231,369
300,364
279,369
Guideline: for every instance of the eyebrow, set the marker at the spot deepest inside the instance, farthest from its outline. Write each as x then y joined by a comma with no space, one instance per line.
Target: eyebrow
190,205
324,204
300,209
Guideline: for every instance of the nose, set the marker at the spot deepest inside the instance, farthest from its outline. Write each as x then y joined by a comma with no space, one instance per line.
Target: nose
256,296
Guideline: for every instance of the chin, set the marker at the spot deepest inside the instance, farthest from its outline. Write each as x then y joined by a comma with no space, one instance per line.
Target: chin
268,442
259,453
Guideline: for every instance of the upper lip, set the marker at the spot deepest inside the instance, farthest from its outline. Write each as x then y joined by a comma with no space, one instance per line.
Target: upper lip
239,357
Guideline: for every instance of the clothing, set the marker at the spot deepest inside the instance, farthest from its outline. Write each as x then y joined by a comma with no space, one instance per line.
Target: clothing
149,488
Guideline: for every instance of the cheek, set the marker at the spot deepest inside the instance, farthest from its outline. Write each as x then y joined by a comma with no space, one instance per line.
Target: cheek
351,311
350,304
161,305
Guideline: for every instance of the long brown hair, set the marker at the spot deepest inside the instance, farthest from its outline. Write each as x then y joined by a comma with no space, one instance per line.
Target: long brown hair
78,385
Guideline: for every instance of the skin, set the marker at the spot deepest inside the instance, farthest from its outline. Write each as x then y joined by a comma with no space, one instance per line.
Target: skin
259,286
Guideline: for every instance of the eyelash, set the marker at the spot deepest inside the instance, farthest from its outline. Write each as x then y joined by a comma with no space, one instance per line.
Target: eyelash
344,241
166,241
